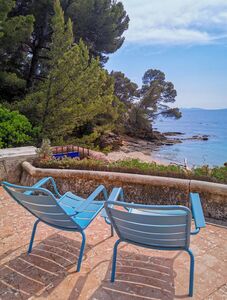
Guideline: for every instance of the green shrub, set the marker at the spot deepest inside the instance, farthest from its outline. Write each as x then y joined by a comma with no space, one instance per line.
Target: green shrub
219,173
144,166
135,166
15,129
69,163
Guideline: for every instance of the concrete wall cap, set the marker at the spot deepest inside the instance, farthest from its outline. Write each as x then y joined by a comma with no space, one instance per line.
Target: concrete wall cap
192,185
15,152
196,185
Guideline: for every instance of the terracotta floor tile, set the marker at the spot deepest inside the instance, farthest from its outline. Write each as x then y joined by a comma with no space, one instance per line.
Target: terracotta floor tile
49,272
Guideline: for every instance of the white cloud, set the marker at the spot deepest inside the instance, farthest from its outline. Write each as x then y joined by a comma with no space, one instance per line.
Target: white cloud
176,21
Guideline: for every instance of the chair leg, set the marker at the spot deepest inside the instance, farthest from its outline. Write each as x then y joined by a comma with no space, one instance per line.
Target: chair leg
81,251
192,265
112,230
114,260
32,236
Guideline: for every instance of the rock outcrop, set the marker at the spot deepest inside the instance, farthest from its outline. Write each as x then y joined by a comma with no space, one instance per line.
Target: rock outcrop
111,140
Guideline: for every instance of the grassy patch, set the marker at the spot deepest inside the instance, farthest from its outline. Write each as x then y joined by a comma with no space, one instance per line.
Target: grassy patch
135,166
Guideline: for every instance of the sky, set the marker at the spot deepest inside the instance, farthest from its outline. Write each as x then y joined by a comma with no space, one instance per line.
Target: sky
187,39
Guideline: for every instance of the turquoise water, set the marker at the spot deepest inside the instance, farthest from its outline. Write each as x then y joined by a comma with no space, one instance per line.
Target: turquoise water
196,122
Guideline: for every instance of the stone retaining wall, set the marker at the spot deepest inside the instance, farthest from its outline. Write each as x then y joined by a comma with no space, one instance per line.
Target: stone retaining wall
137,188
11,159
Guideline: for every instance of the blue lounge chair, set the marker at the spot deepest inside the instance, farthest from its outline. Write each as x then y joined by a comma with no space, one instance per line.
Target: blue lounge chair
162,227
67,212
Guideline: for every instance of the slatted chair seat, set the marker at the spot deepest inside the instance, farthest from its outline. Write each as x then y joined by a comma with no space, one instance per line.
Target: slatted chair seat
162,227
67,212
175,212
70,202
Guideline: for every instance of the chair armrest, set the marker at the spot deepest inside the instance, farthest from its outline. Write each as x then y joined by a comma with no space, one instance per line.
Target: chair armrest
197,211
115,194
91,198
42,182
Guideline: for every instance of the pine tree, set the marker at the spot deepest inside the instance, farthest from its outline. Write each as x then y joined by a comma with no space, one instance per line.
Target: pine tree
156,94
14,33
76,90
100,23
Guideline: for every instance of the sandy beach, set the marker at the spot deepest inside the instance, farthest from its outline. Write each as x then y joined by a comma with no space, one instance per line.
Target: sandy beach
121,155
135,148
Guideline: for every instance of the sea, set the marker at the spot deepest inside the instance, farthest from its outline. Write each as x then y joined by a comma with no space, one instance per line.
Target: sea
212,152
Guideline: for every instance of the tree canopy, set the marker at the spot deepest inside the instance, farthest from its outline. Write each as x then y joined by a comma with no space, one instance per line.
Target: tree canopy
156,93
126,90
76,89
52,56
14,34
145,103
100,23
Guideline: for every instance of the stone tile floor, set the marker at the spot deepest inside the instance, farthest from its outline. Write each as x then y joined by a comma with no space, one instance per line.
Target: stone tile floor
49,272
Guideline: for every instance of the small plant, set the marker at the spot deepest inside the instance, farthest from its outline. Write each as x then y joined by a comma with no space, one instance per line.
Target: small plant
45,151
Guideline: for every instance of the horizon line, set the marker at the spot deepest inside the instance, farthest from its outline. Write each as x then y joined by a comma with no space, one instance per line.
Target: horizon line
203,108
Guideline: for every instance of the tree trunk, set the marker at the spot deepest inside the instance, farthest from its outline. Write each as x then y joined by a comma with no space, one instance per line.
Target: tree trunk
34,65
42,37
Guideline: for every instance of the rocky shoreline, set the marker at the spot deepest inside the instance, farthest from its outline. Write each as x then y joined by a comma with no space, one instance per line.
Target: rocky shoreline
133,147
125,146
199,137
129,143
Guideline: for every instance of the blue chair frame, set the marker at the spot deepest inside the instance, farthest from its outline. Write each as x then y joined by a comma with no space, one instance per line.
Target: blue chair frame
69,206
155,212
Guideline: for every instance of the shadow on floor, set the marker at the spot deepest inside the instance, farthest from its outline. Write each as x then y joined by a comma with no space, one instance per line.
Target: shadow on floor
42,270
137,277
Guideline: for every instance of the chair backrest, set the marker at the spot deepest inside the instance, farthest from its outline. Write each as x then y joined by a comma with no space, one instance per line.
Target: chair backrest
157,226
42,204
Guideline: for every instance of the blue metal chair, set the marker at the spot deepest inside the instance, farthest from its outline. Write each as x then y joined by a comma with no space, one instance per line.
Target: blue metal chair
67,212
162,227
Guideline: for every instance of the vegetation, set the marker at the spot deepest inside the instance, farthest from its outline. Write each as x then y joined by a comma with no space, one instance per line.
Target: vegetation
15,32
126,90
146,103
15,129
217,174
75,91
52,56
45,151
99,23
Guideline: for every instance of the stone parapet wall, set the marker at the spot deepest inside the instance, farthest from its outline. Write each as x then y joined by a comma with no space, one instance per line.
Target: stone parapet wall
12,158
10,162
137,188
